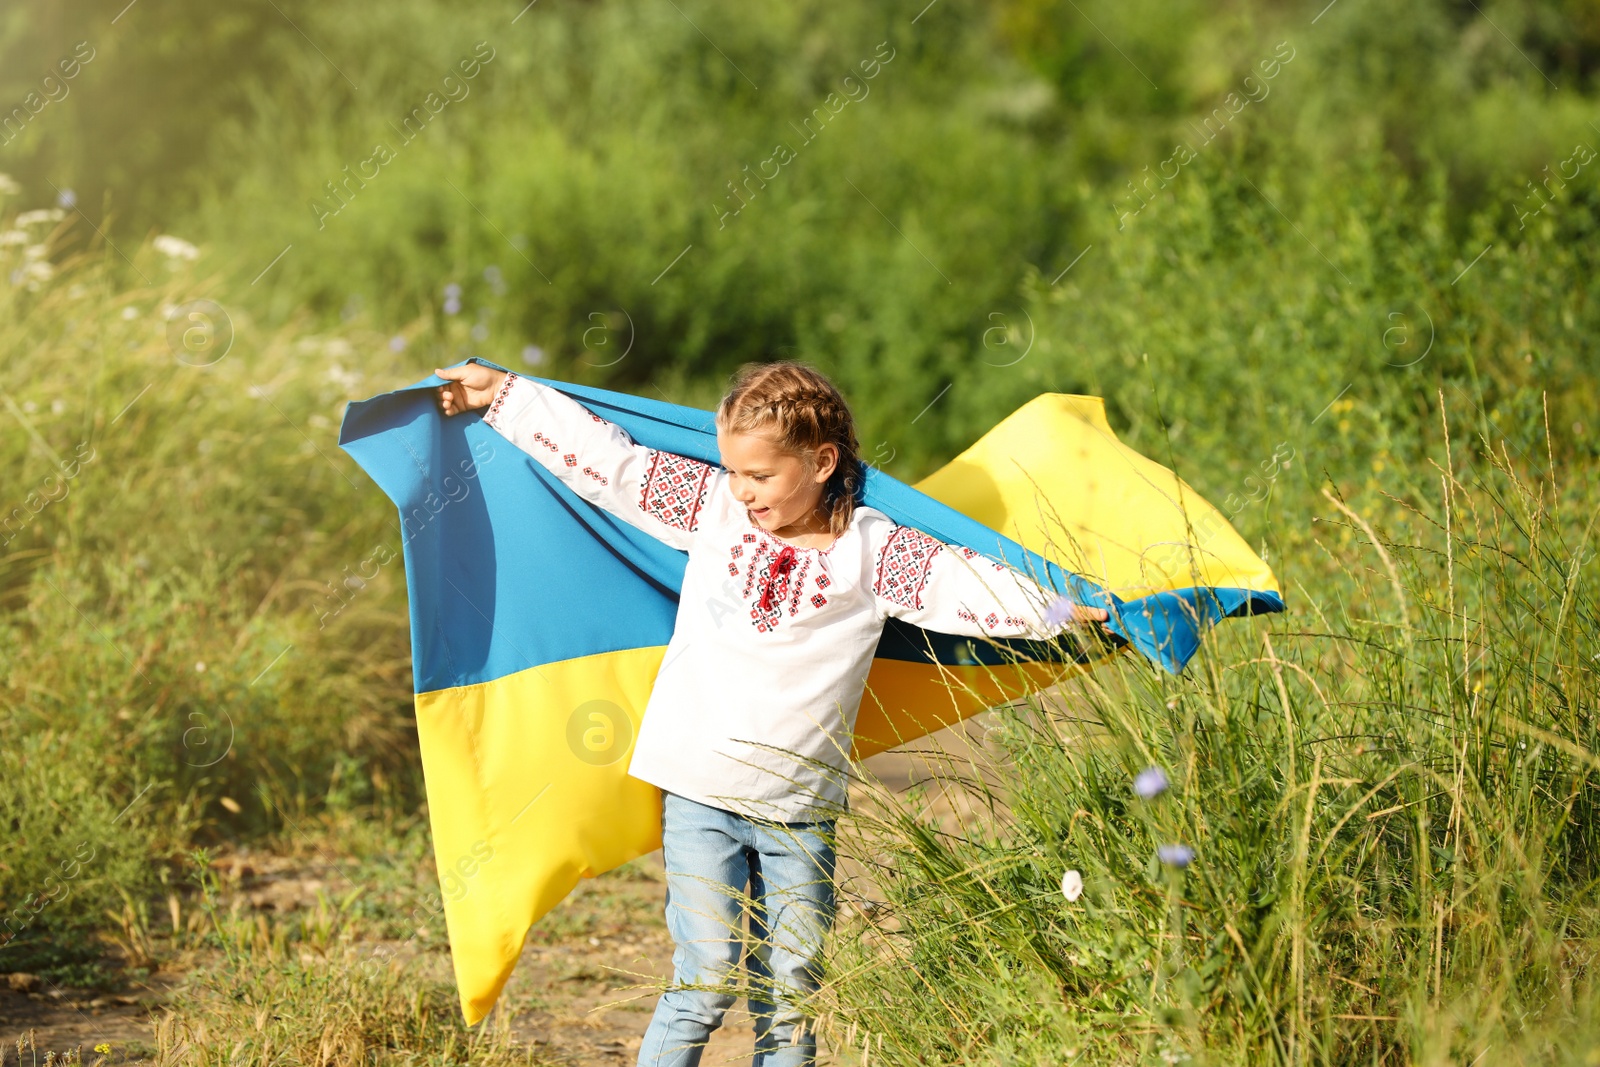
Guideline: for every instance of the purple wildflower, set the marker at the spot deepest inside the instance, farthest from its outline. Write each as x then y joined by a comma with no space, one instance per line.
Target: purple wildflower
1150,783
1175,855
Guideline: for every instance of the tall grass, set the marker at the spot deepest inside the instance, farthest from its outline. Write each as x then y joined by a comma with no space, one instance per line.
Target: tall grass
193,646
1391,798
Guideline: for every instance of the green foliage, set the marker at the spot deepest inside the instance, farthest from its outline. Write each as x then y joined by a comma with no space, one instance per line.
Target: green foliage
205,640
1392,803
122,106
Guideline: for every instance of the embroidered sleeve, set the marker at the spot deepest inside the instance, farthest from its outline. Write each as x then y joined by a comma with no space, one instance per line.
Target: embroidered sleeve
662,493
953,589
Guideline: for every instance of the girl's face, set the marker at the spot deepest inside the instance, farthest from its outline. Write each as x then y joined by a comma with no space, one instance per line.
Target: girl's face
773,485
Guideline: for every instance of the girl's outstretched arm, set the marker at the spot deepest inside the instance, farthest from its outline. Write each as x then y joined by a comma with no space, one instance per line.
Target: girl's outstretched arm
954,590
662,493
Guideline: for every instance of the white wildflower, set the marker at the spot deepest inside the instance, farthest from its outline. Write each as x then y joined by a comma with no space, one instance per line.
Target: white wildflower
33,252
1072,885
9,185
51,214
347,381
175,247
337,346
10,238
130,313
36,274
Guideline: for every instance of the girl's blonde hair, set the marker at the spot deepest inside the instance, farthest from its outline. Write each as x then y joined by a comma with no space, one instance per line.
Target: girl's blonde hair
796,407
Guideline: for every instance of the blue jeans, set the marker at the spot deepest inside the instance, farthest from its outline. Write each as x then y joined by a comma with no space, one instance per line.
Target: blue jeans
709,855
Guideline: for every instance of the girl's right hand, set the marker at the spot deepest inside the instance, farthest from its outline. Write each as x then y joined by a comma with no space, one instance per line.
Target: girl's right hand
470,386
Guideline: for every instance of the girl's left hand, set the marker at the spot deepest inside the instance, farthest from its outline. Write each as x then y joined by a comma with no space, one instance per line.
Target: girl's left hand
1082,614
1088,614
1066,610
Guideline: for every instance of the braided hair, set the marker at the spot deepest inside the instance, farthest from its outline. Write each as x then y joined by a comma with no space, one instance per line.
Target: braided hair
799,409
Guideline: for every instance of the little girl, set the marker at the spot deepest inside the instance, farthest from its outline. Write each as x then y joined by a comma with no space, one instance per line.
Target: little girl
747,731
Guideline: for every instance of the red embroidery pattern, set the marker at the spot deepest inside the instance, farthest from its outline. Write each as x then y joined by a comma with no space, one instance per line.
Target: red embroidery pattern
597,476
500,396
775,585
772,576
963,613
551,445
674,489
901,570
799,581
991,618
766,620
755,563
571,460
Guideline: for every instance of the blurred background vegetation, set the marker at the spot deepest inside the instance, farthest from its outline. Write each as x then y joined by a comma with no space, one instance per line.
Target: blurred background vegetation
1358,233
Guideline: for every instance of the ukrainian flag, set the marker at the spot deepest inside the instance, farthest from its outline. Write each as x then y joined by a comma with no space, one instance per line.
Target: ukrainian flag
538,622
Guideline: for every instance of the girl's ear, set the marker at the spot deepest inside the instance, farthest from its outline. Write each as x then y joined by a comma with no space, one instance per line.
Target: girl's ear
827,459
